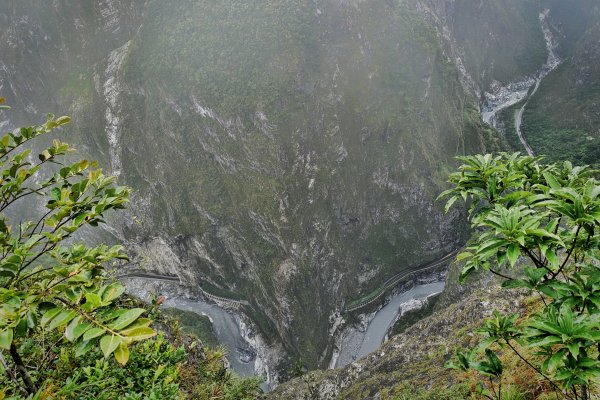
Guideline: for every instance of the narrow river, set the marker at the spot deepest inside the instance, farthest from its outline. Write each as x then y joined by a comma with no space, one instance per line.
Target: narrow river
358,344
227,330
239,353
506,96
242,357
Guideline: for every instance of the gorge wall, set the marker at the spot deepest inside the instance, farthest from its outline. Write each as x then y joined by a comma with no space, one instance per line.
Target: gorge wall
287,153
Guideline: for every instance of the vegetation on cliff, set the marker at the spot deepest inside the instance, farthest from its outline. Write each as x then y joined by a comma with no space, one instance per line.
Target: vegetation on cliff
314,135
536,234
66,331
561,119
548,214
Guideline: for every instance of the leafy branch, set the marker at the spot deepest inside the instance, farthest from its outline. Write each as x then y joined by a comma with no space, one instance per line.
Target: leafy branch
45,285
540,220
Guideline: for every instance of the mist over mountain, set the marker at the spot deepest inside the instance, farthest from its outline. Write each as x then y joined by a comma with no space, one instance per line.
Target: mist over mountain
288,153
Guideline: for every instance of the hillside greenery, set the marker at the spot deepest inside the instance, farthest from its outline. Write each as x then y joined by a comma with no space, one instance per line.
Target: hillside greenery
314,136
194,324
340,105
524,322
48,280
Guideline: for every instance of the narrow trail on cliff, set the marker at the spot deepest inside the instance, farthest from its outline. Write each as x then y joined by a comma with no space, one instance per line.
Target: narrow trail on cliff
394,280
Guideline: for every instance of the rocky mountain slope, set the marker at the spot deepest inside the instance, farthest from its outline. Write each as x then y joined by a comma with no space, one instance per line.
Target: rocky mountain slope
563,118
286,153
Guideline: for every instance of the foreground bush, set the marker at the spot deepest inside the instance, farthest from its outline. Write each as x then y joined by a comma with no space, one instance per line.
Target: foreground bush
537,226
66,331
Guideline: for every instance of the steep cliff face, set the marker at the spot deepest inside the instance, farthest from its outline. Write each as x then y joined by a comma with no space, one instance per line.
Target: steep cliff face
315,146
283,152
562,120
492,42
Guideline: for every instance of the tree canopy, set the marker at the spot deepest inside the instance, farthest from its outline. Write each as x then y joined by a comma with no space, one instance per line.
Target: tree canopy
537,227
49,280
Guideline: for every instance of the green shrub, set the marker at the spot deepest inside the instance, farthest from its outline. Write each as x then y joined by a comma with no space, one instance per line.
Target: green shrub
547,216
513,392
66,330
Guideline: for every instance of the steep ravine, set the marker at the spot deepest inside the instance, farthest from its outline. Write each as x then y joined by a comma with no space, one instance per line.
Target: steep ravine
284,206
414,359
357,343
502,97
294,166
249,355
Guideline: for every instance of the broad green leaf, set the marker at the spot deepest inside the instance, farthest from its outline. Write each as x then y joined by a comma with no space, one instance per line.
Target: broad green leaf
518,195
513,252
139,333
74,294
109,343
490,247
566,375
450,203
6,337
83,347
92,333
48,315
55,194
552,257
516,283
93,299
546,326
63,120
552,181
494,361
127,318
122,354
70,329
565,319
33,239
62,318
546,341
574,349
32,318
80,329
587,362
111,292
535,274
139,323
556,360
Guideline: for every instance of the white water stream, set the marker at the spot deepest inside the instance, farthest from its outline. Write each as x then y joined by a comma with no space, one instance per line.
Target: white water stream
227,326
506,96
356,344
